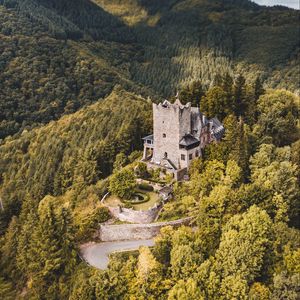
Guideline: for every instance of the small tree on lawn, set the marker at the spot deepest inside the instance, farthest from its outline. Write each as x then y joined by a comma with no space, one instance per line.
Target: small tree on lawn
122,184
141,170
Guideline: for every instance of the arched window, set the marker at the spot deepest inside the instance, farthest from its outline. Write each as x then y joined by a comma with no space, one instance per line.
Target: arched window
166,155
164,135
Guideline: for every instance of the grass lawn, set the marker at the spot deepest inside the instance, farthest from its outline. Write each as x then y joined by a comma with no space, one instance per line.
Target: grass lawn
114,201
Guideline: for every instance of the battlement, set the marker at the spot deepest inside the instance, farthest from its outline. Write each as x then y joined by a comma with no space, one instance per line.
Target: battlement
176,106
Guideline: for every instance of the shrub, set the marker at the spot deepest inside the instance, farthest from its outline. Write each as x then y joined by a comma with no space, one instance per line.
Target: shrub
144,198
146,187
141,170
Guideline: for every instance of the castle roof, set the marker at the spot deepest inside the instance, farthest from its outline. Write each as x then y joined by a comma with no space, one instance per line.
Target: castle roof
188,140
217,128
148,137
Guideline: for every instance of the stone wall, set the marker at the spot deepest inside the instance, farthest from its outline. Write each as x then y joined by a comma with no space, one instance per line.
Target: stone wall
108,233
179,175
135,216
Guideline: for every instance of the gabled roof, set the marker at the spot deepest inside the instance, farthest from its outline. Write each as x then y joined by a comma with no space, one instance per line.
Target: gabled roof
215,121
217,128
148,137
188,140
166,190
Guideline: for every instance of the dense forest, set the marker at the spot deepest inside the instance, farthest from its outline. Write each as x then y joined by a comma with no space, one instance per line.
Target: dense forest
243,196
58,56
77,79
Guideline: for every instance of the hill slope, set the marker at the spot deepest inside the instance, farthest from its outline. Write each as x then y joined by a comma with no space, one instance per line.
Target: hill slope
79,148
57,56
46,73
187,40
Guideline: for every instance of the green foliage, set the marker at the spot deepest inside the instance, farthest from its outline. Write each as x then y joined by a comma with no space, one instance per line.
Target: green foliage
243,193
74,152
149,275
286,287
244,242
141,170
146,187
122,184
120,162
185,290
259,291
279,112
272,169
137,198
213,104
234,146
87,223
192,93
95,45
6,290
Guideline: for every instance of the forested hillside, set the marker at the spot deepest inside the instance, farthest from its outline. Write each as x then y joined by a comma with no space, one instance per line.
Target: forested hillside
57,56
77,80
51,66
78,149
243,197
190,40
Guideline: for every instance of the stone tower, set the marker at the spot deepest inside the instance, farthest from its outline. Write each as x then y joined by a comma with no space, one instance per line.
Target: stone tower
170,123
179,133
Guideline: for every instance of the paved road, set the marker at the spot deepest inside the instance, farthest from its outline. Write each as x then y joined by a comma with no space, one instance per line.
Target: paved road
96,254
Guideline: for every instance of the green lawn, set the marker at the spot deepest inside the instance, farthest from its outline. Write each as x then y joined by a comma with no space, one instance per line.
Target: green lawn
114,201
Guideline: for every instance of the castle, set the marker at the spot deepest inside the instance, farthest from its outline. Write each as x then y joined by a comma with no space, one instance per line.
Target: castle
180,132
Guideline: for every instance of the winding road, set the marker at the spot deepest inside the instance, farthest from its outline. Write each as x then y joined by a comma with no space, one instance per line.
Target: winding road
97,254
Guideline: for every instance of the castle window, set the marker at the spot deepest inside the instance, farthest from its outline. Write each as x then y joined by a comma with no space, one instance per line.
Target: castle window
197,153
166,155
164,135
190,156
182,157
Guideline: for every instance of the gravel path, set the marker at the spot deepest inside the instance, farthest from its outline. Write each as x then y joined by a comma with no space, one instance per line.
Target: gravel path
97,254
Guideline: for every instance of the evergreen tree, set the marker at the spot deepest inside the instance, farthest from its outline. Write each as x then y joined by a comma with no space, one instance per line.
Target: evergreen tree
258,89
53,252
7,291
9,251
120,161
240,96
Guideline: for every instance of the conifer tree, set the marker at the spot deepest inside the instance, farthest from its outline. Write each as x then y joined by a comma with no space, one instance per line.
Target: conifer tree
9,250
240,96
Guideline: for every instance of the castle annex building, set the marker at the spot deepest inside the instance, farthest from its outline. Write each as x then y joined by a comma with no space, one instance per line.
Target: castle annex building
180,133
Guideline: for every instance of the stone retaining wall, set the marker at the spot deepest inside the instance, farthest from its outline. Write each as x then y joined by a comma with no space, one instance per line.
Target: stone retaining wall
108,233
135,216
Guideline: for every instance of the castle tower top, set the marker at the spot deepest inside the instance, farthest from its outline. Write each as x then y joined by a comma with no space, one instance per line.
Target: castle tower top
175,105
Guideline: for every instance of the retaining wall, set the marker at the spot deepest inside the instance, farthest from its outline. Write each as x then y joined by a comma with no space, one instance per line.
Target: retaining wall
108,233
135,216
